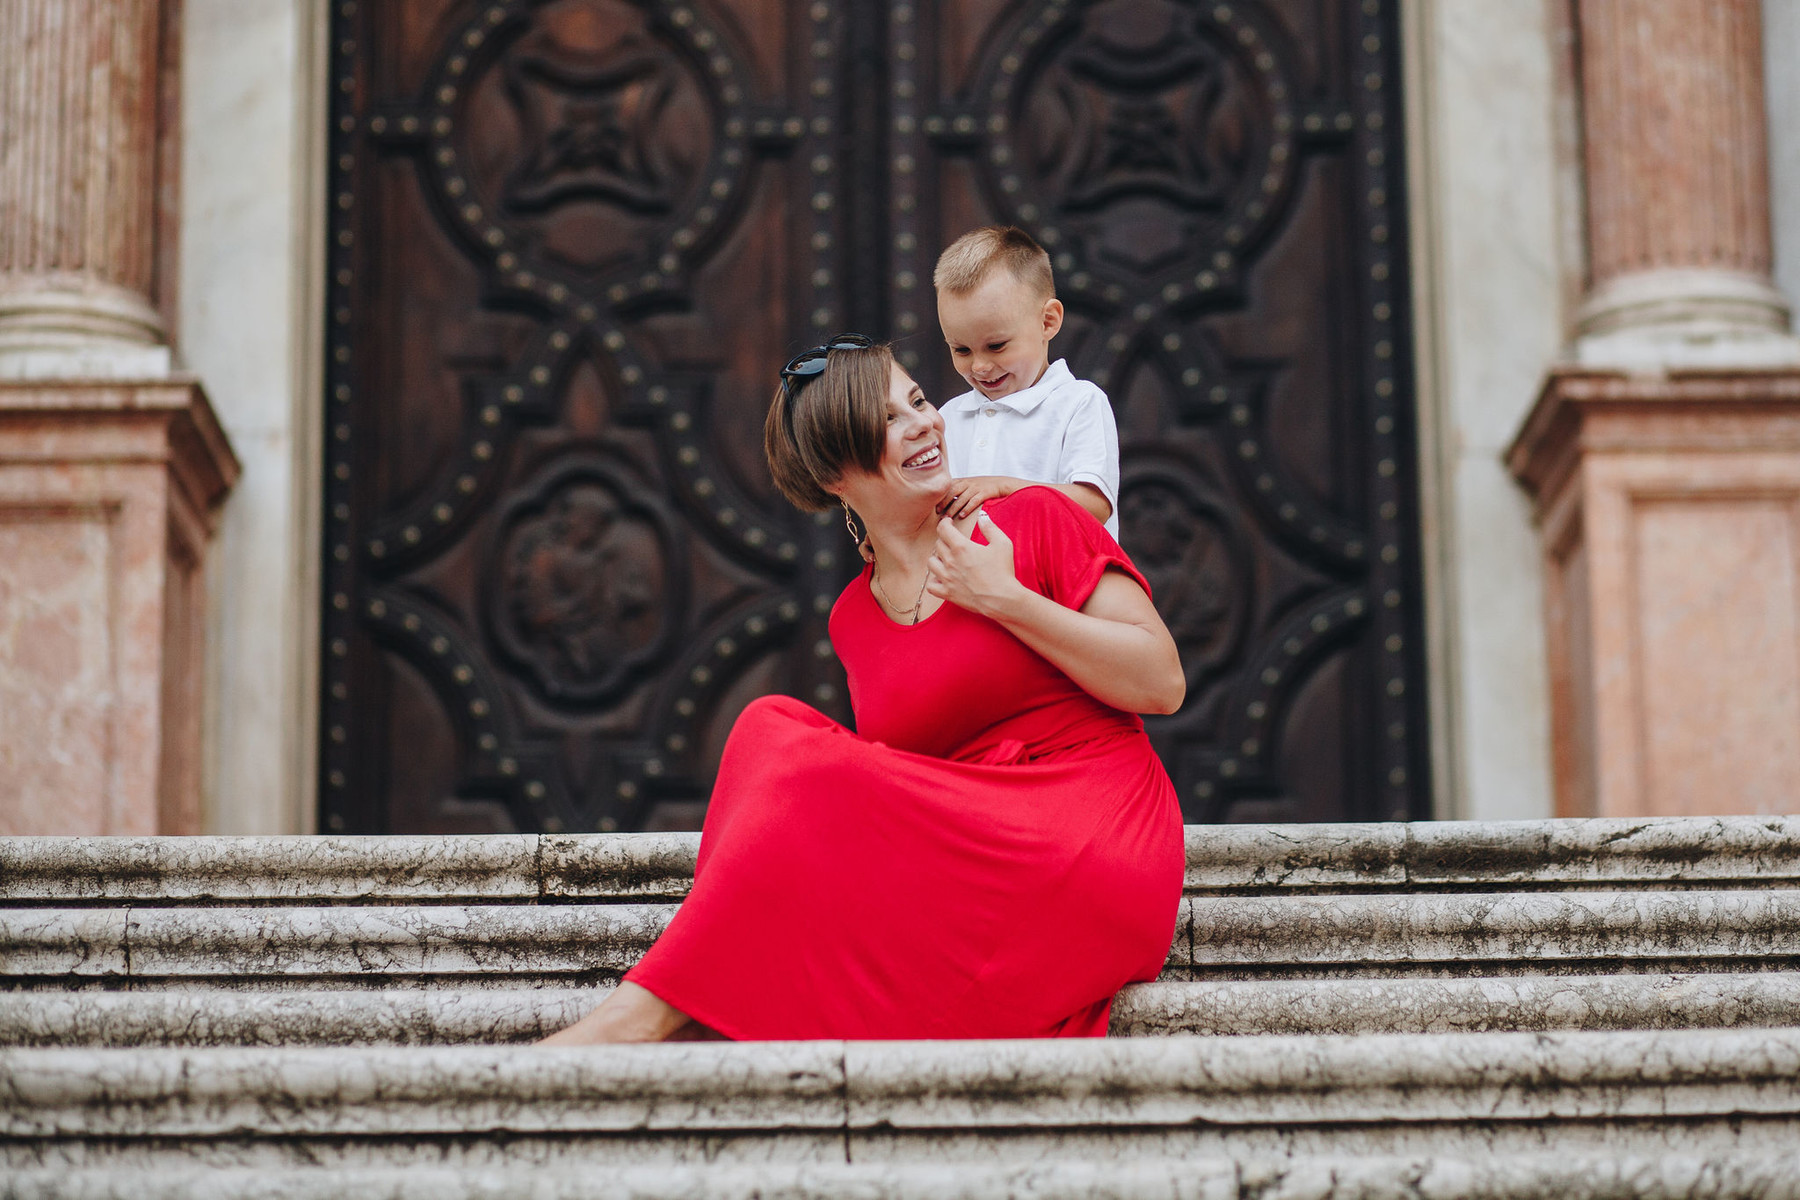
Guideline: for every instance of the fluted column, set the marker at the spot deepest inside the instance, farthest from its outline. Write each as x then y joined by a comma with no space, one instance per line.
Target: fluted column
78,187
1676,155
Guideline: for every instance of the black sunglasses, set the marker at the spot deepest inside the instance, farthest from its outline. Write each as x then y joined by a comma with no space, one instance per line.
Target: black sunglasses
808,363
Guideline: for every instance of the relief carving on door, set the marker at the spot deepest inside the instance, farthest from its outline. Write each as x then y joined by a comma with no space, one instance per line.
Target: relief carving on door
1215,184
556,568
571,239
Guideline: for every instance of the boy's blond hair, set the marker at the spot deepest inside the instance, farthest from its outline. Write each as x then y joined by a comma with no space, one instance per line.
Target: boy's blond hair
971,258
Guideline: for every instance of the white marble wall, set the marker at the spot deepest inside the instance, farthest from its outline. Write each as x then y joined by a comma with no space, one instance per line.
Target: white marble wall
1781,59
1492,284
252,111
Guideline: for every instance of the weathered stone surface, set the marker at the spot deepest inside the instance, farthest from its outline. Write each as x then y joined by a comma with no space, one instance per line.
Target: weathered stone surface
501,1014
1290,1080
58,942
1535,1178
373,1092
624,866
875,1086
1245,858
1444,1005
380,1017
1211,1180
1712,1093
1598,852
446,939
186,870
1394,932
1323,934
1606,852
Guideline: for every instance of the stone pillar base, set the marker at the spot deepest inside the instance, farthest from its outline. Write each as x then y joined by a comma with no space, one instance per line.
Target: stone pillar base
107,498
1670,513
69,327
1678,318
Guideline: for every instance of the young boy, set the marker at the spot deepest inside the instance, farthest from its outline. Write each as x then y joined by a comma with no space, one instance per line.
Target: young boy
1026,420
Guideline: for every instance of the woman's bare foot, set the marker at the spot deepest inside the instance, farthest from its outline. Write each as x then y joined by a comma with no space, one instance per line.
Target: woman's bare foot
631,1014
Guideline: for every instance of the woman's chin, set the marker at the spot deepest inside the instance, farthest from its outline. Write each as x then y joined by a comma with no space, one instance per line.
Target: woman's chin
936,484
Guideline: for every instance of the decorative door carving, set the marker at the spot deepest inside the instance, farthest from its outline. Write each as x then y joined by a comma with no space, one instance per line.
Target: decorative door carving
571,242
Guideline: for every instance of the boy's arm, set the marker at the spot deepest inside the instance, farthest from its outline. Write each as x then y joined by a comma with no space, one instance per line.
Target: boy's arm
1089,462
969,493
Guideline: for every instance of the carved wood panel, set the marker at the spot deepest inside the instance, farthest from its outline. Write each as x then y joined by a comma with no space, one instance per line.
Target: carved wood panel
570,242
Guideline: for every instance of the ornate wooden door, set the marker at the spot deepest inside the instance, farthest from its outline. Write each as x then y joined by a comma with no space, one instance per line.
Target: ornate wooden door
571,242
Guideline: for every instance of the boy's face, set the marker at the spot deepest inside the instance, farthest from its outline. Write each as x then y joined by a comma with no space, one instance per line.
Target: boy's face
999,333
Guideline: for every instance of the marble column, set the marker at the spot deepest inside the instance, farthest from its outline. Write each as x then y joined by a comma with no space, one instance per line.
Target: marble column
79,99
1675,146
111,463
1665,459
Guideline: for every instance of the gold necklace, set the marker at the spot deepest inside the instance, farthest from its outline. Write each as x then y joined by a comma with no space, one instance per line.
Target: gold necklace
875,577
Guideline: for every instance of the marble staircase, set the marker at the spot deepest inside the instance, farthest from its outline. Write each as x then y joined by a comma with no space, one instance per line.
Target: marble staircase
1518,1009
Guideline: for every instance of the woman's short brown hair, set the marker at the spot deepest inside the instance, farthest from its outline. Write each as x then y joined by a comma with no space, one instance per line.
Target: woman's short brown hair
821,426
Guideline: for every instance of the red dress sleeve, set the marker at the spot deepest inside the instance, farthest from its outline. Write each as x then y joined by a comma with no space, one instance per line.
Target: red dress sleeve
1059,550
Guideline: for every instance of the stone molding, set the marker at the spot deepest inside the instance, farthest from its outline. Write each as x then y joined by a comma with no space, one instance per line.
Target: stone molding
418,1016
495,868
1221,859
108,498
1523,1176
1623,1092
1215,937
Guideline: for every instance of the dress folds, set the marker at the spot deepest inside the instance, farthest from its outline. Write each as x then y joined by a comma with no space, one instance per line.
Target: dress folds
993,853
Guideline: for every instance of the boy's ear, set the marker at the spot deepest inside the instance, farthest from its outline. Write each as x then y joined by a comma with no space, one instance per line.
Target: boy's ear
1053,317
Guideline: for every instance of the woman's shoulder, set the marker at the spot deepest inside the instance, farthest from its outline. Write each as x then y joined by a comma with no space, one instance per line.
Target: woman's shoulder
1040,508
1035,502
1058,546
855,596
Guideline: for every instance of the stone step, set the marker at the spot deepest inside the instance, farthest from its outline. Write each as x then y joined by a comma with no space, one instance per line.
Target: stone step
412,1016
1237,1008
1216,937
1519,1177
1713,1094
1714,852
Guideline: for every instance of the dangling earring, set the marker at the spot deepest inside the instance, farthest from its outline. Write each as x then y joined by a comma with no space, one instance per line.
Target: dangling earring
856,535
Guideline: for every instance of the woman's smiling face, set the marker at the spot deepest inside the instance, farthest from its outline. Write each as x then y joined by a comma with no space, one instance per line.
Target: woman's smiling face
913,462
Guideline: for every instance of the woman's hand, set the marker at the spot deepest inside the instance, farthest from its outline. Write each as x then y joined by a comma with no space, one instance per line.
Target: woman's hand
972,576
1116,647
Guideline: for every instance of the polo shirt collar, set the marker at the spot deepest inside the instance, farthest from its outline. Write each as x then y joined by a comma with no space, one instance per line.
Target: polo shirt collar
1022,402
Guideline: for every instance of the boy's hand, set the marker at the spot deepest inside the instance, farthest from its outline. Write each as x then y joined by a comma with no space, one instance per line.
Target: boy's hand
967,495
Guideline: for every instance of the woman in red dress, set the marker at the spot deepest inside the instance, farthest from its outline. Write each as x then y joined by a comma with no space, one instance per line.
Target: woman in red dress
996,850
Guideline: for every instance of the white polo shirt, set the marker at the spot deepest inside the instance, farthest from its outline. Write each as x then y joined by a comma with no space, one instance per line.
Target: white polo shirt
1058,430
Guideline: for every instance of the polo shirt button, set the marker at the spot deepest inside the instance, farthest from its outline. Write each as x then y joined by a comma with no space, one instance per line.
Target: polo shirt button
982,444
987,412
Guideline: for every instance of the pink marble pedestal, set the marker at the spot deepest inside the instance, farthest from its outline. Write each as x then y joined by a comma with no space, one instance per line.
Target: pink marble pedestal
1670,515
107,499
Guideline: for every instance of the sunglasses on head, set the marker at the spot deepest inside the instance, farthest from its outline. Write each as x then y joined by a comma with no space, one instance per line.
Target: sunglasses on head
803,366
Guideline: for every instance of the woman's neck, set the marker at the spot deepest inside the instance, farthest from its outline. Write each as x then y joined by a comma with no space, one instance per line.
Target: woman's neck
903,540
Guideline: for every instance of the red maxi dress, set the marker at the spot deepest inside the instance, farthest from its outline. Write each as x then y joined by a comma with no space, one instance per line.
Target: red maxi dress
993,854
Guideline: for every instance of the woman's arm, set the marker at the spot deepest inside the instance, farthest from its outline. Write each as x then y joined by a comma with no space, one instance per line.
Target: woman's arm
1116,647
